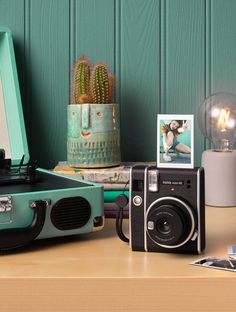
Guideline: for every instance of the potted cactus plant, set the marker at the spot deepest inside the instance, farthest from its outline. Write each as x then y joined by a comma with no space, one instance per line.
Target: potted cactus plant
93,139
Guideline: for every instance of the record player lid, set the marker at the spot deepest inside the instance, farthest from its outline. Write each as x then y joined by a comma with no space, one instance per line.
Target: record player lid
12,128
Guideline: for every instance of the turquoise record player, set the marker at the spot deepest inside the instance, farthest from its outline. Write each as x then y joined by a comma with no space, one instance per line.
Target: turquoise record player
35,203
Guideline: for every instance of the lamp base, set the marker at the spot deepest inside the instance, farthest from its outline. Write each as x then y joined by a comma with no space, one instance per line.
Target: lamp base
220,178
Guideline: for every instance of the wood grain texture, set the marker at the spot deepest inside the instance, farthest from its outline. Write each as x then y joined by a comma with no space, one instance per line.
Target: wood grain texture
108,295
139,77
94,30
223,46
12,16
185,60
98,272
48,86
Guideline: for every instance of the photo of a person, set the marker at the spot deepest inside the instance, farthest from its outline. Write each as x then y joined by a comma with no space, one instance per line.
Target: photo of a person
175,141
217,263
170,134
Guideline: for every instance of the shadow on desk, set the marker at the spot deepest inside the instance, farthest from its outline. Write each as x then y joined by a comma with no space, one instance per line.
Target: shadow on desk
108,231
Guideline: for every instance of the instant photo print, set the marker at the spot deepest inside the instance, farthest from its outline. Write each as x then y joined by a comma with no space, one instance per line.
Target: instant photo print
35,203
175,148
216,263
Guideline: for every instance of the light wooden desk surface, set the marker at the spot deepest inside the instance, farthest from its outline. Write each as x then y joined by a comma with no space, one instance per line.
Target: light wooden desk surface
98,272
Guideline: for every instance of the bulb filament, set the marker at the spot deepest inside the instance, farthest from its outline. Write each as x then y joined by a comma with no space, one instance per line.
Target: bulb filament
223,120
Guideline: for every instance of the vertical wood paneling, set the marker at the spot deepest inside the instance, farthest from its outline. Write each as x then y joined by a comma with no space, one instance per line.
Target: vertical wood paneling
48,64
163,56
139,78
208,38
12,15
223,46
167,56
185,60
94,32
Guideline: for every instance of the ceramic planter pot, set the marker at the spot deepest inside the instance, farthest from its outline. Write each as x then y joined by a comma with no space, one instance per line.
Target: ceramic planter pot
93,136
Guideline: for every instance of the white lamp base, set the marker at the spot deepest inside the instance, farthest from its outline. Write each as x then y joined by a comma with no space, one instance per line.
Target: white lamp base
220,178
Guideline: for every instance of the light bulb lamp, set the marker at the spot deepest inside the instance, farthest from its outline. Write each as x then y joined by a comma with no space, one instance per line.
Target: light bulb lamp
217,121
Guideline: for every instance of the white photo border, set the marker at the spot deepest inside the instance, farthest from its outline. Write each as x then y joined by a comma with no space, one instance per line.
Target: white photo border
190,118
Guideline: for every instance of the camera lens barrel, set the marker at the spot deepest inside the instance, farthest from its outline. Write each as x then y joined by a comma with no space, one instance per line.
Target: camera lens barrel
170,222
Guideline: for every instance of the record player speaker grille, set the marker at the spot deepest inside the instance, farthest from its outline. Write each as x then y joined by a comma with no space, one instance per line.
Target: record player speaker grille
70,213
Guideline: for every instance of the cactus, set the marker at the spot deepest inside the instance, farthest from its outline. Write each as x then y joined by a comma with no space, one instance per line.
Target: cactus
80,81
102,84
94,85
111,88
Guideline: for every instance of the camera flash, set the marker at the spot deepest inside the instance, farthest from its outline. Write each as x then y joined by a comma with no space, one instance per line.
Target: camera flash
153,180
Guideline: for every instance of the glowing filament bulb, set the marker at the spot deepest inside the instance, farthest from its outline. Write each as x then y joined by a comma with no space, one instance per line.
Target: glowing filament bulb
223,120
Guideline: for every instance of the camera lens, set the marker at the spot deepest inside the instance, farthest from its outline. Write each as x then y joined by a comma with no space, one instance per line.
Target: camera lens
170,224
173,220
163,227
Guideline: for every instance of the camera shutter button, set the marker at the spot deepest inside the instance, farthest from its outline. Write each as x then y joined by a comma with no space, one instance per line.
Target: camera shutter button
137,200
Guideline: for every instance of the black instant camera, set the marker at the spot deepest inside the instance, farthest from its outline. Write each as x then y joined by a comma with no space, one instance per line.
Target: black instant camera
167,210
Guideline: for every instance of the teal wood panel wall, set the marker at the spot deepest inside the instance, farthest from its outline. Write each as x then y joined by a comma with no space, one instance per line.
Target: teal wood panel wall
167,55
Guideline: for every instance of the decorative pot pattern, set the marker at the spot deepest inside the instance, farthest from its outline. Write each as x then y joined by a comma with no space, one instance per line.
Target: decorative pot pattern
93,137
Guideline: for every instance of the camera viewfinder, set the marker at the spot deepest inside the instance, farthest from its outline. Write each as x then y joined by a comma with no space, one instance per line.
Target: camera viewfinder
138,185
